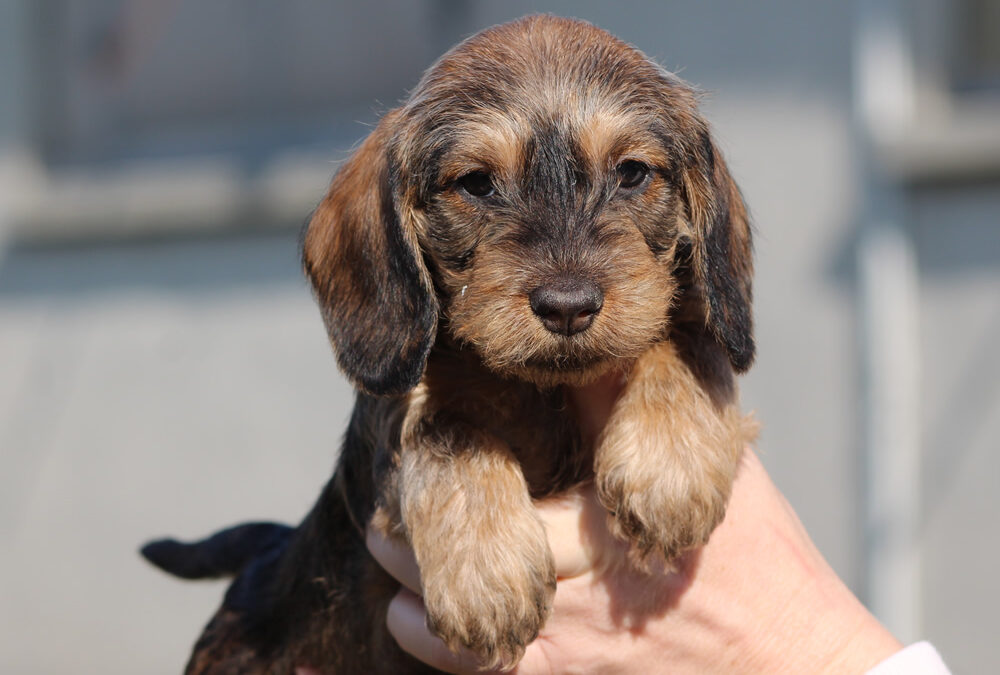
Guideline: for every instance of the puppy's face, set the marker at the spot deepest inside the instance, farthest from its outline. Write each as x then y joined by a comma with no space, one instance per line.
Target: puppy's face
550,229
546,191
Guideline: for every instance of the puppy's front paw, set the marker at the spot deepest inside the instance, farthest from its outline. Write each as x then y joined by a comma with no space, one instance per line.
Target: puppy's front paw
491,597
485,566
675,510
666,461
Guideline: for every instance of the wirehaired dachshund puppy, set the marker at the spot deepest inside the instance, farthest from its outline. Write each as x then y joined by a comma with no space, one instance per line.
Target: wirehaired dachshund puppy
547,207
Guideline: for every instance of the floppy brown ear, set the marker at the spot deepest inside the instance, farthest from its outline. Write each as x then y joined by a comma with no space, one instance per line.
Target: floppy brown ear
722,253
360,252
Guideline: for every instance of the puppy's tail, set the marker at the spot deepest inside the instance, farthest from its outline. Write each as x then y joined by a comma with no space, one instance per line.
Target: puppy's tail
224,553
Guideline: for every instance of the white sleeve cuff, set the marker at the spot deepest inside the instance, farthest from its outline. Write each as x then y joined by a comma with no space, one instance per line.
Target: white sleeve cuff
918,659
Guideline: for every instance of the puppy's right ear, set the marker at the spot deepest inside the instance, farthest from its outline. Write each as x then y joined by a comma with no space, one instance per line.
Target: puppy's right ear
361,255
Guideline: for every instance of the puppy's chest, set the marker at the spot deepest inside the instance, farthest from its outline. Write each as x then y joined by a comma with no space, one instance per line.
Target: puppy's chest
542,433
537,426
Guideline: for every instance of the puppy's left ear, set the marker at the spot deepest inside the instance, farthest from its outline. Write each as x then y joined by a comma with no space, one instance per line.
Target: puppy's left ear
722,253
361,254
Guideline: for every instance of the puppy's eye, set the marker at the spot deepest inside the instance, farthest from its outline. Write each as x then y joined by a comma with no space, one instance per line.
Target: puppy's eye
477,183
631,173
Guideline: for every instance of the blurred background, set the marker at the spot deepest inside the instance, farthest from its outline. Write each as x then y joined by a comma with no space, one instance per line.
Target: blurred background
163,369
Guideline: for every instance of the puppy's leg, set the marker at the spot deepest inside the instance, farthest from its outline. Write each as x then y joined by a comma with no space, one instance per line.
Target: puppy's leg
666,460
485,565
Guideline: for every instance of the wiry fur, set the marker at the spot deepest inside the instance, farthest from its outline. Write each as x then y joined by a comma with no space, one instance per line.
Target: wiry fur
461,414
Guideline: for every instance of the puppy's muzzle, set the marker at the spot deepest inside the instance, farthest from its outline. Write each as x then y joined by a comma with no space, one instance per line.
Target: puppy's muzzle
567,305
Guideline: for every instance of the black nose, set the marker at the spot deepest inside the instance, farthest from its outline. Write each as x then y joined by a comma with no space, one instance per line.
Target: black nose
567,305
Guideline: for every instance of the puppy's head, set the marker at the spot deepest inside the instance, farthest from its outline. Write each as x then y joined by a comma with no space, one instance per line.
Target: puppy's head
548,196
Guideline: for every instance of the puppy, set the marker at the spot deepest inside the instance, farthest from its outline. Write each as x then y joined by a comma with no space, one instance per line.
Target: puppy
547,207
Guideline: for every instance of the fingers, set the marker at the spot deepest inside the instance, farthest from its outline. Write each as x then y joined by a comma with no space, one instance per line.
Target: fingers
561,518
574,524
577,528
406,618
407,622
395,558
568,528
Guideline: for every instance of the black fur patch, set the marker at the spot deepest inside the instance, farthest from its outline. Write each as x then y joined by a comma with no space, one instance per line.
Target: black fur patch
224,553
728,298
385,325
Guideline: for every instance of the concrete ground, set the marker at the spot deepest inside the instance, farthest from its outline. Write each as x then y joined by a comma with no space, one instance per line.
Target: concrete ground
149,389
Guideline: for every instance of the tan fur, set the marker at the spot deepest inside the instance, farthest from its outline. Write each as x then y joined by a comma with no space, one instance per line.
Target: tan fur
666,478
486,569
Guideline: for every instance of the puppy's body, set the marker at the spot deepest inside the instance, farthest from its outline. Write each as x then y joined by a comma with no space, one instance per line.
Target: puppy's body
322,600
547,207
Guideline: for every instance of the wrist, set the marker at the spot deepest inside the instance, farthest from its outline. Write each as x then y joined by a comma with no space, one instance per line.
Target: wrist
824,629
860,646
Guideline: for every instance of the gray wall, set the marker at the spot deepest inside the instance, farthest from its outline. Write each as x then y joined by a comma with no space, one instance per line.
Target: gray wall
957,230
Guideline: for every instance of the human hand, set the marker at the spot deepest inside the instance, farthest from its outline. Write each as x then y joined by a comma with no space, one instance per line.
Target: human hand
757,598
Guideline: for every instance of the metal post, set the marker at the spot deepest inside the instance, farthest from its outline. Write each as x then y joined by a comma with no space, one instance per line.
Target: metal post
888,288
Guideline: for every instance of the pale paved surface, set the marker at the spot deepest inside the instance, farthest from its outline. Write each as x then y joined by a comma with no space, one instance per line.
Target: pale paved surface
147,390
